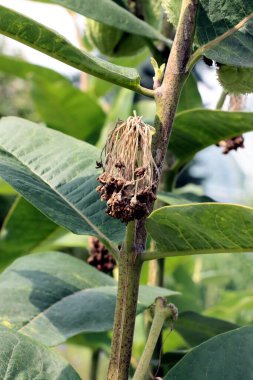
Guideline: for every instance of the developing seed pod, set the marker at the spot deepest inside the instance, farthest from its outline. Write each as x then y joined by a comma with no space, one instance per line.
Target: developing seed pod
127,183
235,80
111,41
152,12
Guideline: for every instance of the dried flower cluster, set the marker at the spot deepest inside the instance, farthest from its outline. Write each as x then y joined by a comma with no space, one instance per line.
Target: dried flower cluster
100,257
127,183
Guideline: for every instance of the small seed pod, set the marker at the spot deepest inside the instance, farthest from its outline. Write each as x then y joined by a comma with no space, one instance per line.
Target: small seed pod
236,80
127,183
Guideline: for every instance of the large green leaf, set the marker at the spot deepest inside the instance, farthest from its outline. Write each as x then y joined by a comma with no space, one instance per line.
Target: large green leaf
196,328
197,129
57,174
37,36
201,228
110,13
66,108
216,17
53,296
24,230
227,356
21,358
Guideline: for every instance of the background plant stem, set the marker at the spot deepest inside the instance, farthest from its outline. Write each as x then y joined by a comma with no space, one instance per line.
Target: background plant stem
167,97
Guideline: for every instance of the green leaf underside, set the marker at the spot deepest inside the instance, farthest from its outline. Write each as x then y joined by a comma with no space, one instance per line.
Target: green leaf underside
110,13
226,356
21,358
196,328
37,36
217,17
56,173
24,229
197,129
53,296
202,228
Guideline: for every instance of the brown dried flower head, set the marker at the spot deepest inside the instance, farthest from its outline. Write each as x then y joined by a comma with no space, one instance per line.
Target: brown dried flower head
127,183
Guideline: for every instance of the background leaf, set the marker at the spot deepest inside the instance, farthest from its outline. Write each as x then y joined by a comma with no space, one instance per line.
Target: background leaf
110,13
24,229
196,328
227,355
22,358
57,174
184,198
190,96
202,228
53,296
66,108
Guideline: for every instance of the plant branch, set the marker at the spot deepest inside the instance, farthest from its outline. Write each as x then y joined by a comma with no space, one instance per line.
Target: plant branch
200,51
162,312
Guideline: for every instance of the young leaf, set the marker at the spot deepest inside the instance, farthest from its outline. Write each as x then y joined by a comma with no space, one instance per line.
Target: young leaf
22,358
200,228
37,36
53,296
195,130
57,174
228,355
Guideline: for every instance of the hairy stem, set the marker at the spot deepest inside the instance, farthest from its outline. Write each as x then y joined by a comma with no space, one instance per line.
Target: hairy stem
128,286
167,97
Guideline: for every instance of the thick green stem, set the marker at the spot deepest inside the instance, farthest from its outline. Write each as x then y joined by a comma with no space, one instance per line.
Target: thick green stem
167,97
128,286
162,312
